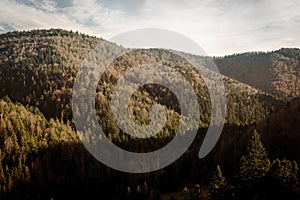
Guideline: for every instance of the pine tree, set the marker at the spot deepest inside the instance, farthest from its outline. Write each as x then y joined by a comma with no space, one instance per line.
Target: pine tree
254,165
283,179
196,193
219,188
128,193
138,193
145,190
192,194
186,194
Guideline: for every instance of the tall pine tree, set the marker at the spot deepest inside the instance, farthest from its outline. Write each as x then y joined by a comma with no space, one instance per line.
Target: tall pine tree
254,165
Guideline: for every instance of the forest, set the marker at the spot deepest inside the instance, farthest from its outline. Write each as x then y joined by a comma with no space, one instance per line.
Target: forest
42,157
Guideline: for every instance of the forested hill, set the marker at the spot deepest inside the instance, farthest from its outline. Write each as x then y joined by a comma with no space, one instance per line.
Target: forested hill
38,68
281,131
41,156
276,72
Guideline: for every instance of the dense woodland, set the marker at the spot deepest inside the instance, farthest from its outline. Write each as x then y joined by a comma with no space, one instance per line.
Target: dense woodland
41,156
276,72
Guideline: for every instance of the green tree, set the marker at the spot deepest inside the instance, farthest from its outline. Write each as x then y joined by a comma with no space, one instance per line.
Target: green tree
138,193
192,193
186,194
254,165
196,192
219,188
128,193
145,190
283,179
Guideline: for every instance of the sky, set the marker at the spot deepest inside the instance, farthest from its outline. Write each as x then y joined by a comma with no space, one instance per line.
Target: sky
220,27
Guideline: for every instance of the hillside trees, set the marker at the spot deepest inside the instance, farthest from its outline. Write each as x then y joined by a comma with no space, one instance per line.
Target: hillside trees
257,178
219,187
254,166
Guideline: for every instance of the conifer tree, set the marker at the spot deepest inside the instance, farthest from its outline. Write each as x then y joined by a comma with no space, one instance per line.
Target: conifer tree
283,179
196,193
138,193
219,188
128,193
186,194
145,190
192,194
254,165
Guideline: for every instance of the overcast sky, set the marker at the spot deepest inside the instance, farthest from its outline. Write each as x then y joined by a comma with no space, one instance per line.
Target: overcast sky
220,27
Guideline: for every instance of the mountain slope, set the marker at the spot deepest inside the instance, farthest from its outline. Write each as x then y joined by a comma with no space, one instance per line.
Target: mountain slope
26,142
281,131
42,157
39,68
275,72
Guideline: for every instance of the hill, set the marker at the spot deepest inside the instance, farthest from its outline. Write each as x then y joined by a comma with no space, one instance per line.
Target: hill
39,67
41,156
29,144
282,131
275,72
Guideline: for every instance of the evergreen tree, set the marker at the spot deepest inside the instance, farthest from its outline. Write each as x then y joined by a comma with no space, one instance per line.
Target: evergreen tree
138,193
283,179
192,194
254,165
219,188
196,193
128,193
186,194
145,190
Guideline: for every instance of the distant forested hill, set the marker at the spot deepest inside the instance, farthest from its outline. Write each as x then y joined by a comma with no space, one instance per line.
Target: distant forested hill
276,72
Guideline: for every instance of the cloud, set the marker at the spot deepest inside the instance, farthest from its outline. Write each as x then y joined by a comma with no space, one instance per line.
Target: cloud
92,14
224,27
220,27
130,7
45,5
24,17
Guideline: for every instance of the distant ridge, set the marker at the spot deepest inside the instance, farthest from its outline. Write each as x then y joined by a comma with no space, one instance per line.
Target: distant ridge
276,72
